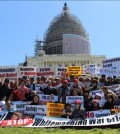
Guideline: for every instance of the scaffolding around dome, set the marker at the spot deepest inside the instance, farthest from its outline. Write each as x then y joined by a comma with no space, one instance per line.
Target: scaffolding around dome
66,23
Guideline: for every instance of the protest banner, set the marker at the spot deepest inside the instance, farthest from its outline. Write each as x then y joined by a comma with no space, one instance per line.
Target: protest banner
45,71
44,121
27,71
46,98
3,114
9,72
60,71
97,114
74,70
93,93
35,109
71,100
55,109
17,122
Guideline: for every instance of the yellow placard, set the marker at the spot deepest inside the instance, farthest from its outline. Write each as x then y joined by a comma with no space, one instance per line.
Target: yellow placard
54,109
74,70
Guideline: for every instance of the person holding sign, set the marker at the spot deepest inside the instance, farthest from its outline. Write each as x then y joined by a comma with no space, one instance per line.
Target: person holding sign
78,112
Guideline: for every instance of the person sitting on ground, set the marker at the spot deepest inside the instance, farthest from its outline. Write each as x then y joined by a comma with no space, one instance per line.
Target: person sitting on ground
110,102
78,112
67,113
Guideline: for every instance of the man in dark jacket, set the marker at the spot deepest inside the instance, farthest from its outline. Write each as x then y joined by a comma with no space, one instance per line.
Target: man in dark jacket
4,90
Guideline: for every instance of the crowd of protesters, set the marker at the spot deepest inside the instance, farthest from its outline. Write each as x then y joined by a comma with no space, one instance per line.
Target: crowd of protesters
24,90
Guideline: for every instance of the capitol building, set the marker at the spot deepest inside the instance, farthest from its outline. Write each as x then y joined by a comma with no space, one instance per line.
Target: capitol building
66,43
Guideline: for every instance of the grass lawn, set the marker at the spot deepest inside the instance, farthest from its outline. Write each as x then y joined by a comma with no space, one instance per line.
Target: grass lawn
13,130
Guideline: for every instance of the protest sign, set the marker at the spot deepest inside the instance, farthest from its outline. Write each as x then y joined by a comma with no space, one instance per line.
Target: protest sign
3,114
27,71
74,70
55,109
60,71
45,71
46,98
71,100
8,72
17,123
97,114
93,68
35,109
37,88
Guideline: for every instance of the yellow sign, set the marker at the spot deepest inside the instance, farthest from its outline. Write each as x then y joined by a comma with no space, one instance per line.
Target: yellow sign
74,70
55,109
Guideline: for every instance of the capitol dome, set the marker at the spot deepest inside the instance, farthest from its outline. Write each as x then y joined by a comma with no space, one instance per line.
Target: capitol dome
66,29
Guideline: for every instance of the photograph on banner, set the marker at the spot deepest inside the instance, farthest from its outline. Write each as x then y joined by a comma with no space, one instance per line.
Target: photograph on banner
97,114
27,71
35,109
17,119
46,71
55,109
71,100
47,98
9,72
74,70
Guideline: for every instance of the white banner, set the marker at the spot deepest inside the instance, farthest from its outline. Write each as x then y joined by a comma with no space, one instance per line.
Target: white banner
71,100
93,69
47,98
36,109
27,71
8,72
100,92
37,88
44,121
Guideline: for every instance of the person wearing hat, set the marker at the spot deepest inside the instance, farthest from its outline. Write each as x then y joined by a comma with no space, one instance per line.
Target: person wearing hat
63,91
78,112
94,85
67,113
95,106
58,83
4,90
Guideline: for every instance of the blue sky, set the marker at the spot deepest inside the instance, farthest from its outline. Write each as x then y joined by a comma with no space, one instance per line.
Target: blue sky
21,22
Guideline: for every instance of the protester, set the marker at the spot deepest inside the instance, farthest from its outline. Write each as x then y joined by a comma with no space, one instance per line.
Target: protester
4,90
78,112
109,81
106,92
94,85
67,113
63,92
87,99
21,91
95,106
110,102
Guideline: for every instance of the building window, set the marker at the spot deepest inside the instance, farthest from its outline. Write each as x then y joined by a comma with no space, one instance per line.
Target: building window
59,65
73,64
66,65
